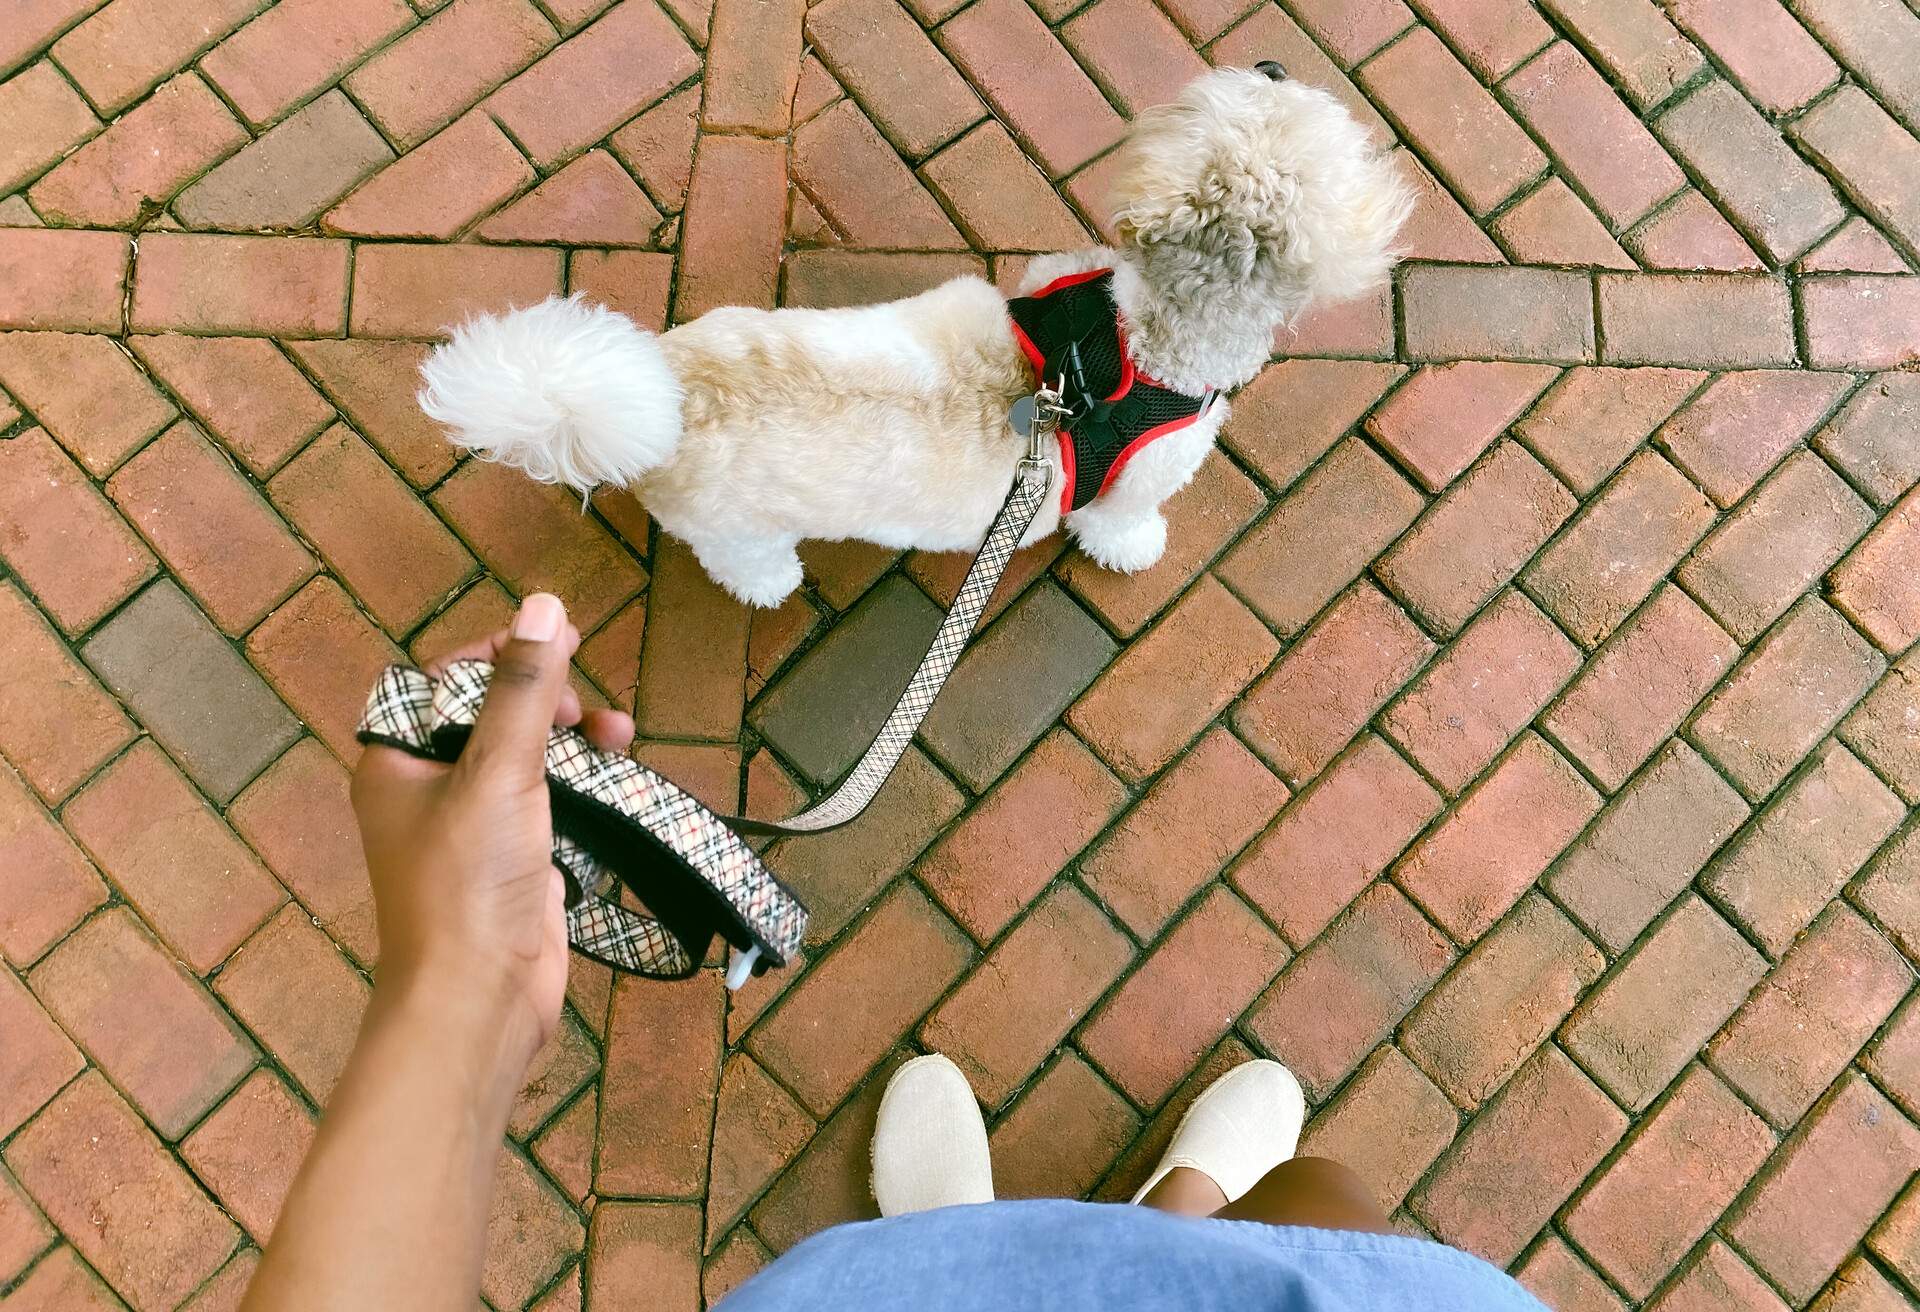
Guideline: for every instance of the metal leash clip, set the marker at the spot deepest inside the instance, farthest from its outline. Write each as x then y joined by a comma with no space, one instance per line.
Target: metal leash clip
1033,417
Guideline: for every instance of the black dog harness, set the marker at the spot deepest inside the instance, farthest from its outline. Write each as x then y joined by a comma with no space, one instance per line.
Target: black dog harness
1071,334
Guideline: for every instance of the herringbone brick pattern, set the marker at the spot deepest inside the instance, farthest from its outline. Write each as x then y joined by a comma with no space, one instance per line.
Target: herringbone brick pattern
1518,740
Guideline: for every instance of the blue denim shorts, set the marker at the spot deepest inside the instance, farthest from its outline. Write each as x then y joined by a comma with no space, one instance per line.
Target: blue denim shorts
1065,1257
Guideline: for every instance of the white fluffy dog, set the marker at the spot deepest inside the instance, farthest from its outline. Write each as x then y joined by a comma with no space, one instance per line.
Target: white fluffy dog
1239,204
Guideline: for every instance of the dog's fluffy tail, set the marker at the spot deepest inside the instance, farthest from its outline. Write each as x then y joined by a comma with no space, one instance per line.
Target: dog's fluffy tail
569,392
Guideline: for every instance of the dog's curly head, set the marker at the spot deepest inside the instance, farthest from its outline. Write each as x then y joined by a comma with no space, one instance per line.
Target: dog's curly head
1254,182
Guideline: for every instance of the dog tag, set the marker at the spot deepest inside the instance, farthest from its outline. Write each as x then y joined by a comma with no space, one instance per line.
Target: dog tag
1023,416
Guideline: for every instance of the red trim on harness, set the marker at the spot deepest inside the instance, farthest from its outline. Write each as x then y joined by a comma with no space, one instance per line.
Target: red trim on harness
1127,451
1068,280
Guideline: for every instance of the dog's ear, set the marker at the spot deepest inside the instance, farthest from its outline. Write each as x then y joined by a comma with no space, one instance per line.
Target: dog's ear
1200,213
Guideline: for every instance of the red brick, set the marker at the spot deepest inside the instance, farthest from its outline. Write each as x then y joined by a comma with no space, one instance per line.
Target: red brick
1493,1009
1135,53
215,532
291,987
247,394
1634,42
838,1021
1491,35
1032,83
1784,697
593,82
139,162
1021,834
757,1129
49,118
61,537
1330,683
1636,1031
1888,891
36,22
636,283
1858,1287
322,655
1700,320
734,1263
1861,323
1353,31
1647,846
644,1255
1438,229
1690,234
710,771
826,279
290,175
182,869
533,537
1877,45
1593,418
284,286
298,818
912,93
1856,246
24,1233
1853,1154
1362,326
248,1150
438,188
1639,686
1345,828
1804,848
296,48
831,1181
1872,157
1380,958
1885,727
1268,33
1718,1281
1217,646
49,885
130,1209
228,1286
417,291
72,281
1684,1164
611,657
122,51
373,384
86,392
1151,1031
998,197
1781,202
1619,549
1476,537
1596,138
1554,226
730,244
565,1148
1736,429
1446,415
374,535
1484,689
148,1025
590,201
1017,1005
1449,116
1769,54
1387,1126
657,147
692,675
1556,1276
1289,416
1207,807
663,1057
531,1233
56,724
753,65
1062,1135
1517,1162
1873,586
38,1058
1474,864
1814,1013
1894,1058
1455,312
425,79
1320,536
863,188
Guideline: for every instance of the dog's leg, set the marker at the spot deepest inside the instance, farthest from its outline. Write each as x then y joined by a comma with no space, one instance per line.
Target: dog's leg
1123,528
761,570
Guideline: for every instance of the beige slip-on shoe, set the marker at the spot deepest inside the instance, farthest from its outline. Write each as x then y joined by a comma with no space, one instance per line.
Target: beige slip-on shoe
929,1141
1245,1124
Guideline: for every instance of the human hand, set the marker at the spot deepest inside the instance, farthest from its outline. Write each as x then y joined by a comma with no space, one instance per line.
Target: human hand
468,901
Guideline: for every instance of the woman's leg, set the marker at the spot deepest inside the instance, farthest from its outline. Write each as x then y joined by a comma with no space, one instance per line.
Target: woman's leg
1310,1191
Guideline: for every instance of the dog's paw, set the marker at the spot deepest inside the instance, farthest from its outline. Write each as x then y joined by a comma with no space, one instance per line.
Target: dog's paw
767,589
1128,547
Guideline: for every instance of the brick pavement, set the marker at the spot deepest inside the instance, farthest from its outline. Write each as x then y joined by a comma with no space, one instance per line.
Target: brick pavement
1519,738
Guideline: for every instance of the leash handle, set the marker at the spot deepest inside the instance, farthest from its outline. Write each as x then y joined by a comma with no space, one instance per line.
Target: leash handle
1031,482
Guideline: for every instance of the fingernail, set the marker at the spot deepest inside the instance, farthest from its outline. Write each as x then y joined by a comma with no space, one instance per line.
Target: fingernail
540,618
